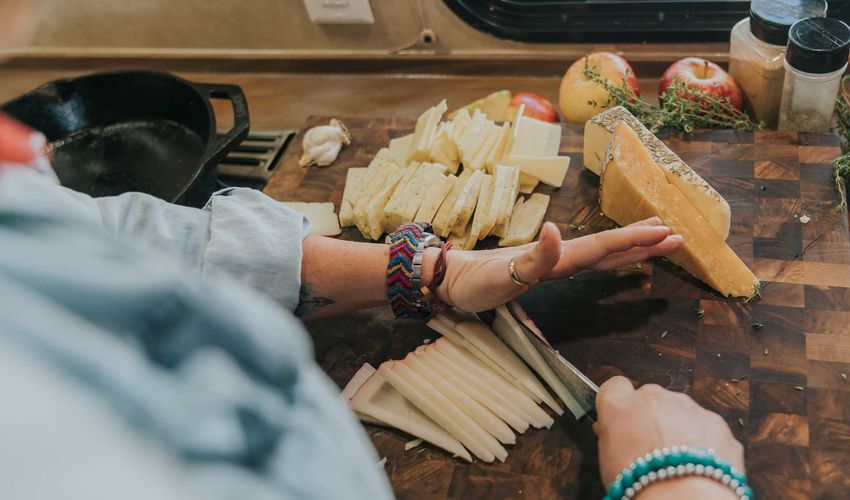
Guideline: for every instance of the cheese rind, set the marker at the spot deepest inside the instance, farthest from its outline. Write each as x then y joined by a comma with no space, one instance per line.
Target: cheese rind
633,188
705,199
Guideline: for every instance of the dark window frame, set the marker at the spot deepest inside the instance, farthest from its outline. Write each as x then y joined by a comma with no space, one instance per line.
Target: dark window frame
610,21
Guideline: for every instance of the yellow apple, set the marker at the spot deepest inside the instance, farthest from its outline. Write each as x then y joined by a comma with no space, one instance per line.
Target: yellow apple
581,99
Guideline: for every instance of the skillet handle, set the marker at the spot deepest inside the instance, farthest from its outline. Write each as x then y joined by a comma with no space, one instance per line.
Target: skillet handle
220,145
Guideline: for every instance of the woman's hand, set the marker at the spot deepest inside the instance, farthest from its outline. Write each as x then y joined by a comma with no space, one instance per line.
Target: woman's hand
633,422
476,281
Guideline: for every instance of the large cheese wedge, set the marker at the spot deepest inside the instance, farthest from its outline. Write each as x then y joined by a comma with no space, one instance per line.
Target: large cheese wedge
704,198
378,400
479,389
434,197
526,220
449,387
444,327
507,328
323,219
482,337
400,148
528,408
440,409
550,170
494,106
353,180
426,129
633,188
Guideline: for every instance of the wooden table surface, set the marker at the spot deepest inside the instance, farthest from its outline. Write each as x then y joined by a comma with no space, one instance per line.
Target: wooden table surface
783,388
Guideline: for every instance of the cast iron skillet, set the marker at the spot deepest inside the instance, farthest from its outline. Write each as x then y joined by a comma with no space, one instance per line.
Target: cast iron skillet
111,133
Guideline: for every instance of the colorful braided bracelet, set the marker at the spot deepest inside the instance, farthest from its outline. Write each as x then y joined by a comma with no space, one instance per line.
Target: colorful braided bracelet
675,462
403,270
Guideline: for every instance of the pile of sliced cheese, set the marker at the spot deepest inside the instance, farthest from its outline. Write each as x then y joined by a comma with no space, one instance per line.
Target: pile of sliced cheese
463,175
467,393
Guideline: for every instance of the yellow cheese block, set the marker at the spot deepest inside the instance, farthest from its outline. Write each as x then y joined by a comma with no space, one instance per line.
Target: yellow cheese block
633,188
550,170
703,197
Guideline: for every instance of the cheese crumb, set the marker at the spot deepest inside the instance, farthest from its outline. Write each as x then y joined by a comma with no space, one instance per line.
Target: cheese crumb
805,219
382,462
412,444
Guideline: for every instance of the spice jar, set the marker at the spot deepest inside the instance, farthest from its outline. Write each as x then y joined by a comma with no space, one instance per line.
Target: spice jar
815,59
757,50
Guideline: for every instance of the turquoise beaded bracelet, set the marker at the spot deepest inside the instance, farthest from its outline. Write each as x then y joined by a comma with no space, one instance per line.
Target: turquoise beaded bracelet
678,461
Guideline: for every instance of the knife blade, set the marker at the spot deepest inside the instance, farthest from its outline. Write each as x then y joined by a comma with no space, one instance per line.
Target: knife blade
582,388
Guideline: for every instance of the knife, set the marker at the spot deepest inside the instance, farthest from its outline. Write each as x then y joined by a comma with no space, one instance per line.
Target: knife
582,388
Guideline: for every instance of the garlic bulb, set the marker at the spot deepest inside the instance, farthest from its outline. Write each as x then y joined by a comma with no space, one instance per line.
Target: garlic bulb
322,144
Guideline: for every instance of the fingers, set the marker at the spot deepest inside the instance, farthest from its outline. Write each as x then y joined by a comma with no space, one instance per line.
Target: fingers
538,260
652,221
614,388
618,240
638,254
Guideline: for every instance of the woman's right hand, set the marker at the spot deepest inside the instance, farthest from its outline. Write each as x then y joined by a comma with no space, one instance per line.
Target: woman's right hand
633,422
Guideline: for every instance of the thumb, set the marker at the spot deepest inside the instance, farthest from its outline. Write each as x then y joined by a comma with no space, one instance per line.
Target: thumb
539,260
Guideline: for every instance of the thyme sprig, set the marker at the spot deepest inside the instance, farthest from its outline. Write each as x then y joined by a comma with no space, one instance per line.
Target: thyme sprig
841,165
681,107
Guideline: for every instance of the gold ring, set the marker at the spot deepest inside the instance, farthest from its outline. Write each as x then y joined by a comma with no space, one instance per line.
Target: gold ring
514,277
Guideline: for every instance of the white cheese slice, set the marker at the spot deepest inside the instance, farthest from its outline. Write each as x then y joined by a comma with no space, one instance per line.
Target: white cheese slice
445,210
526,220
466,212
482,337
479,160
426,129
705,199
434,197
527,406
463,206
351,388
448,386
459,123
498,150
479,389
400,149
323,220
535,138
507,328
440,409
550,170
353,180
377,399
527,183
444,150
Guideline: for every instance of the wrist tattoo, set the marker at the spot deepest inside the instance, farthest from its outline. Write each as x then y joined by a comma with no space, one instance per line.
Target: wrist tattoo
308,302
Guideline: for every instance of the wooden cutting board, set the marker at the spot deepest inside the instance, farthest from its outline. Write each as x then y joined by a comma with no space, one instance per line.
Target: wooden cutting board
783,388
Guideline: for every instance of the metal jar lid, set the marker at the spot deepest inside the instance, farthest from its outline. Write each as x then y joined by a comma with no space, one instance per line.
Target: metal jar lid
770,20
818,45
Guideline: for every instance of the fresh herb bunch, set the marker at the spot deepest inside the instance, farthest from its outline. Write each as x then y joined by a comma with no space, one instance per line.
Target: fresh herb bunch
841,165
841,171
682,107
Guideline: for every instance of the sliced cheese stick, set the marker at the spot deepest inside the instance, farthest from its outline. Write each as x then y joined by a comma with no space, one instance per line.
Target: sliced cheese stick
353,179
482,337
530,411
434,197
378,400
498,150
464,204
465,215
448,204
508,203
479,389
448,385
526,220
442,326
440,409
508,330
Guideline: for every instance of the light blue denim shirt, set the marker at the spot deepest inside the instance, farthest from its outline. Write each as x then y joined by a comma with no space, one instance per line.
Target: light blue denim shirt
134,364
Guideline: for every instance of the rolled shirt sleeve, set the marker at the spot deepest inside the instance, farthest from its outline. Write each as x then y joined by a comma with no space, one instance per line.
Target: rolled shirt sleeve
241,232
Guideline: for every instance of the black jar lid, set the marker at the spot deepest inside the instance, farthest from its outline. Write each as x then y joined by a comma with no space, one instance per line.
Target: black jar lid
770,20
818,45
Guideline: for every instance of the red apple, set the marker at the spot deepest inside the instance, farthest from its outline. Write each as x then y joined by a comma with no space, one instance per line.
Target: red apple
581,99
536,106
697,73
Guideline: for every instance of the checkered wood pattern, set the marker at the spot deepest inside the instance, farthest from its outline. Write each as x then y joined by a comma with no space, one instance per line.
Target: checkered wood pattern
791,406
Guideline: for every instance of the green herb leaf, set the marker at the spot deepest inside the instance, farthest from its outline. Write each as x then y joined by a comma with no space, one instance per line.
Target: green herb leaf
700,313
757,325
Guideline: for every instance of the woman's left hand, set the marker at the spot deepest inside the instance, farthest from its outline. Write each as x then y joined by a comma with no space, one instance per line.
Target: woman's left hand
477,281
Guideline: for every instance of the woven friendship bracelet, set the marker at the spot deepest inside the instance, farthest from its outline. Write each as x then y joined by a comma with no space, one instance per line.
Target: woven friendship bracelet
678,461
406,300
